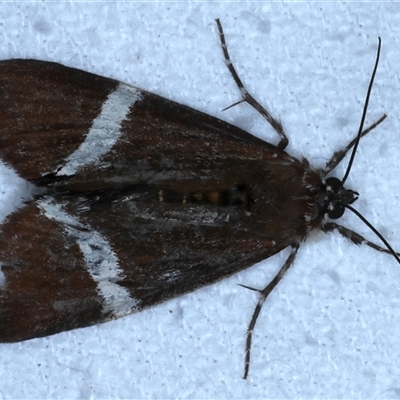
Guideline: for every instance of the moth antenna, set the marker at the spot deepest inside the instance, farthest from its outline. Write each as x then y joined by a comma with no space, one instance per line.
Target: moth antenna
246,96
264,293
373,229
353,153
354,143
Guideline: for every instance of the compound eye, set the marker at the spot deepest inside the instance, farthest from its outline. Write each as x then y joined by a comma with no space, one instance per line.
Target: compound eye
336,212
334,189
334,183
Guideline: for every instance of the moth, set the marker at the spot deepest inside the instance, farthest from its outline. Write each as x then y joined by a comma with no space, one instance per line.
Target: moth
140,199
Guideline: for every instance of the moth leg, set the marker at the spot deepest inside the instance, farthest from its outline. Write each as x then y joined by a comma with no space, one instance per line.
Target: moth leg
264,293
353,236
338,155
246,96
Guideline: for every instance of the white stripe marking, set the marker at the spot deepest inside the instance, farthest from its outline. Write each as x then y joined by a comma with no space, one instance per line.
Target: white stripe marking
100,260
2,277
105,130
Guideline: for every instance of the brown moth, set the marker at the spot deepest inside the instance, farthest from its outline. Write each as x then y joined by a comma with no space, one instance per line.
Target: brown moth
142,199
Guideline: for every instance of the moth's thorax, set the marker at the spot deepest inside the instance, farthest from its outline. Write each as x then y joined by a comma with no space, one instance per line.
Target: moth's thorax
291,200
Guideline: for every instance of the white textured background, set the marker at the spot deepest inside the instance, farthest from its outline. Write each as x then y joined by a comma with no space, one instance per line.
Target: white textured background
332,327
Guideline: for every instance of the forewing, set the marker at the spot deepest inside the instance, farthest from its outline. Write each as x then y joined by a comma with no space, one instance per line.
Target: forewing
146,199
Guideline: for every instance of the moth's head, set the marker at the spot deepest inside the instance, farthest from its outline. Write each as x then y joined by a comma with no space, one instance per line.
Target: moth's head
337,198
